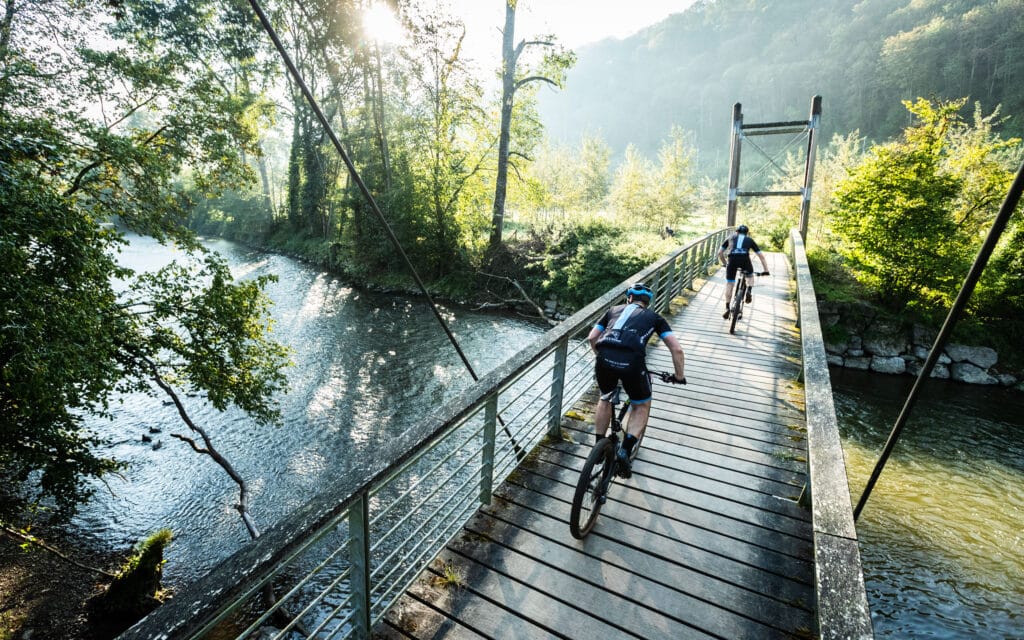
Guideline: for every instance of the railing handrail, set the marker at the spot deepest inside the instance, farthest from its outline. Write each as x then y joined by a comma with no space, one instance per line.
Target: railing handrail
842,604
189,610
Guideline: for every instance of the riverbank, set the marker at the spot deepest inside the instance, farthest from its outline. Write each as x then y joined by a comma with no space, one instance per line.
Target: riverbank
43,597
860,336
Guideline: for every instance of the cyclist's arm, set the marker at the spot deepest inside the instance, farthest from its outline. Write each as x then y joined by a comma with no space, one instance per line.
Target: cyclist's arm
721,255
764,263
595,333
676,349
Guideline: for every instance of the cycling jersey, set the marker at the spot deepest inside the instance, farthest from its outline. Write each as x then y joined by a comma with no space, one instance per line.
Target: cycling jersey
621,349
738,248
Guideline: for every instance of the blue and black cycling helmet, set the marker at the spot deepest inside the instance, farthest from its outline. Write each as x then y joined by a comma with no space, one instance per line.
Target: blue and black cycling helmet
639,290
742,229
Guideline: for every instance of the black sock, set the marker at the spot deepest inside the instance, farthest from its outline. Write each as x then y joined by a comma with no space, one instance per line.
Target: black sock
629,442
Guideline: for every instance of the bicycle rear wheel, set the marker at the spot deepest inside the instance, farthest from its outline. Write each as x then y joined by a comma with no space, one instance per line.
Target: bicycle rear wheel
737,304
591,489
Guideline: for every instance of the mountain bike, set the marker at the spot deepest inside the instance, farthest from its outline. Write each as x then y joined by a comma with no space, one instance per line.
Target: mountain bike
602,465
739,296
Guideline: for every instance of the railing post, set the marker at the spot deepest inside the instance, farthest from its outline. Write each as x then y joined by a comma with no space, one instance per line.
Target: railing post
487,464
557,389
687,269
359,557
659,295
673,278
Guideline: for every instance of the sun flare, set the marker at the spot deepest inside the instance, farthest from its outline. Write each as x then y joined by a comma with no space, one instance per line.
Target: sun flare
381,24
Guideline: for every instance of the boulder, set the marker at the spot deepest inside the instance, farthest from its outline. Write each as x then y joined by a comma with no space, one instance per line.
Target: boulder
1006,379
972,374
888,364
854,353
858,363
834,359
836,347
923,335
884,339
940,371
982,357
921,352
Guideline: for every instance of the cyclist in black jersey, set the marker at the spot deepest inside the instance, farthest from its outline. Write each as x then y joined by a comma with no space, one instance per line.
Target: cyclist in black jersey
738,248
620,341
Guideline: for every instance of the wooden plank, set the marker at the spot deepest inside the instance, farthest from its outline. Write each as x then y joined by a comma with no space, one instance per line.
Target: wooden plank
719,529
770,464
622,583
729,561
676,492
560,603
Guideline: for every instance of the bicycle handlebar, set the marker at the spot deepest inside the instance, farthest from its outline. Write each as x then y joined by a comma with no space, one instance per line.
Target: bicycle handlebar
669,377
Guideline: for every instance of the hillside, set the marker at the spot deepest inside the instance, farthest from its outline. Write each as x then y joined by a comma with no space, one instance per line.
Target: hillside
863,56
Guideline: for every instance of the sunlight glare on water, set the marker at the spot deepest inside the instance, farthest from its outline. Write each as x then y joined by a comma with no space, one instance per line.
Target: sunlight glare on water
367,366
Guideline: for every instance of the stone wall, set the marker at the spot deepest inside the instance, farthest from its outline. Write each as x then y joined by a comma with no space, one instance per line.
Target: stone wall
857,337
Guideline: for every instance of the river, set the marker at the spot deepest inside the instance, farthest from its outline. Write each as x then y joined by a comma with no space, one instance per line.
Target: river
942,534
941,537
367,366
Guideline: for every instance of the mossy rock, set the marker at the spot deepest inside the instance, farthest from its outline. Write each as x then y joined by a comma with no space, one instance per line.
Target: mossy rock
134,592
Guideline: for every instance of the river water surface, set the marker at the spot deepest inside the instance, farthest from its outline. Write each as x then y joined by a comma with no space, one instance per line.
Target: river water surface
367,366
942,534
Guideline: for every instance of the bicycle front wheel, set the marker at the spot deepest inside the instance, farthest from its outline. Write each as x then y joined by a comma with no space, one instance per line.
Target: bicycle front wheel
591,489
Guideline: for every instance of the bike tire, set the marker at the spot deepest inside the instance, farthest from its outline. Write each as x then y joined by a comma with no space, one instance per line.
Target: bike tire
737,307
591,489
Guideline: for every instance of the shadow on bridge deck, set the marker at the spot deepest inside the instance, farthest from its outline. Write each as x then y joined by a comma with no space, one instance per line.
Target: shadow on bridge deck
704,541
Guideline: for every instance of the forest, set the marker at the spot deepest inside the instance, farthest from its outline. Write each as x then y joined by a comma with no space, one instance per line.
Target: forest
555,176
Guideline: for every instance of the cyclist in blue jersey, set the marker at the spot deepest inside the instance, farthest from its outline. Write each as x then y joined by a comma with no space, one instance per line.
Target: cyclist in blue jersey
620,341
738,248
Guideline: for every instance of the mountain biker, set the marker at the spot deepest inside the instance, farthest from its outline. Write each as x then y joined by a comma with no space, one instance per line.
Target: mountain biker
738,248
620,341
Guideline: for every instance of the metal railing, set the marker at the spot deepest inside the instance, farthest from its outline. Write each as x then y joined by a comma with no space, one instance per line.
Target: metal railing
336,564
842,603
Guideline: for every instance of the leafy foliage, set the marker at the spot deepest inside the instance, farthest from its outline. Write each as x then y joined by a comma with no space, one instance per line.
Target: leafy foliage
909,215
77,328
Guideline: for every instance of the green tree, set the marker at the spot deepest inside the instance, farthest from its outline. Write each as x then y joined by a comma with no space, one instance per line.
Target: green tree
131,133
516,75
595,171
674,187
634,191
911,215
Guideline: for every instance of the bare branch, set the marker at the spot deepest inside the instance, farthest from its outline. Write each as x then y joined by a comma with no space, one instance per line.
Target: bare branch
21,537
529,79
522,292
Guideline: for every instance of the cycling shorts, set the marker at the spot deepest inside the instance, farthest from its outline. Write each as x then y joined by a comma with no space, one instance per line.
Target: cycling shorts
637,385
738,261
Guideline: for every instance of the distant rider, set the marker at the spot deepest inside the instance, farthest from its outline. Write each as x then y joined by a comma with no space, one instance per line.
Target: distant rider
620,341
738,248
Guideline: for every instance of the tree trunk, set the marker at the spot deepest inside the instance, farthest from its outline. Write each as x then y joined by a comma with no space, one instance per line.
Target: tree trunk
378,106
508,73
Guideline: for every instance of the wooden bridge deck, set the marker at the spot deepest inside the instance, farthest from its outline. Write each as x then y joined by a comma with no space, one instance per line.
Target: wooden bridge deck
704,541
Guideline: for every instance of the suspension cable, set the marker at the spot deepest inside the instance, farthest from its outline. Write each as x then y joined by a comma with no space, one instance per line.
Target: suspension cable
269,28
998,226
